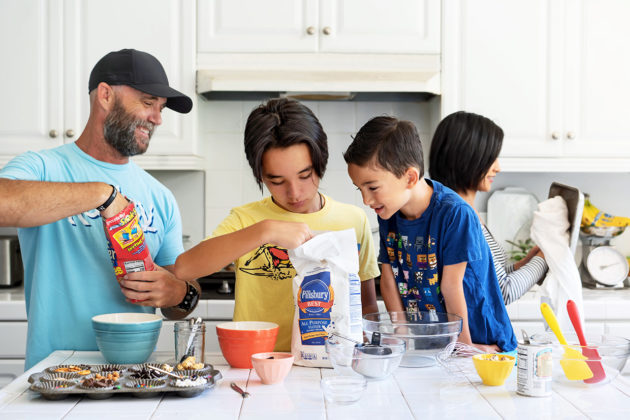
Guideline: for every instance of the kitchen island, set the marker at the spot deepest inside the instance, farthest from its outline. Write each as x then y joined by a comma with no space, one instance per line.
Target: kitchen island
431,392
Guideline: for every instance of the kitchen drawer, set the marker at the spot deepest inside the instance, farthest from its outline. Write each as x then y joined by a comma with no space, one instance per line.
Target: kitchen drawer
9,370
15,347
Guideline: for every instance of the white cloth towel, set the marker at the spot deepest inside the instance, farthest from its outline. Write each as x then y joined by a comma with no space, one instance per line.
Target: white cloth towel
550,232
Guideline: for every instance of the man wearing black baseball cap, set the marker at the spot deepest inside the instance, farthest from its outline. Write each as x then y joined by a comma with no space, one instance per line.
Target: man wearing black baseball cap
141,71
56,198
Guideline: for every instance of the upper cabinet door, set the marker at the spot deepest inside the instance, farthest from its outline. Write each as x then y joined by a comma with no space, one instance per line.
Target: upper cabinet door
598,79
167,31
310,26
30,76
501,59
377,26
252,26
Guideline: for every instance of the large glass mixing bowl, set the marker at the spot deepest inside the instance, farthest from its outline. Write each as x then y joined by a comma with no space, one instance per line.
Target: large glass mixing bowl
426,333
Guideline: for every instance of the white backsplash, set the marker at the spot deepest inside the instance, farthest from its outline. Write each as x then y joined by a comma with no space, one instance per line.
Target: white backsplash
229,179
608,192
188,187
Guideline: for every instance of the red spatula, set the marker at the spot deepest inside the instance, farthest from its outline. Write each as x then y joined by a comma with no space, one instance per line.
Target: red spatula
594,360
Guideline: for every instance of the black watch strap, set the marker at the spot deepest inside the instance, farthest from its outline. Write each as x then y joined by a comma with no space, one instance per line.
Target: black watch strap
110,200
190,299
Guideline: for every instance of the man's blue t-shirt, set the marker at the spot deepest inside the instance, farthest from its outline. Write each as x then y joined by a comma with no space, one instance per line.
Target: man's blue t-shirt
68,275
447,233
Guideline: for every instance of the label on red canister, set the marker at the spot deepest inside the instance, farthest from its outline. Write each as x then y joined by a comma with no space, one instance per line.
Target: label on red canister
127,248
534,370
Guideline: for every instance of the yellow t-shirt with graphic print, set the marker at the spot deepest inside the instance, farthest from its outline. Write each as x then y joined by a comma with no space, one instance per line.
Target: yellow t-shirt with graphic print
264,276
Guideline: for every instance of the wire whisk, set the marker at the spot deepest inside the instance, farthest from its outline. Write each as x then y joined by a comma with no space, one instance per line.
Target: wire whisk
456,358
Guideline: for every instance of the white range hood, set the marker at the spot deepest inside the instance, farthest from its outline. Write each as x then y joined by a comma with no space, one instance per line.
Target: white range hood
325,75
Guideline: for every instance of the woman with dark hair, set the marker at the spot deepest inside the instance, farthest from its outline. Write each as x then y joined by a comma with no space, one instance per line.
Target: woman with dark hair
287,150
464,157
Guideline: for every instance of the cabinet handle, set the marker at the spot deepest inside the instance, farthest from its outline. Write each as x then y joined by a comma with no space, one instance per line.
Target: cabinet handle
53,134
327,30
570,135
69,133
555,135
310,30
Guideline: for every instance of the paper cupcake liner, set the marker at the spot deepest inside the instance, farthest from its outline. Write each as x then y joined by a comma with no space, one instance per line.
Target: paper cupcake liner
75,369
52,376
45,386
146,383
109,368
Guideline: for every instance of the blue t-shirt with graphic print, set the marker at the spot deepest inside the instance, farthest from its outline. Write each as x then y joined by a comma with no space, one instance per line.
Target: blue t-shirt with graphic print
447,233
68,275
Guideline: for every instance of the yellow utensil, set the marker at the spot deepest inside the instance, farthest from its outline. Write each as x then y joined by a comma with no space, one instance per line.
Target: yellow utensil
573,361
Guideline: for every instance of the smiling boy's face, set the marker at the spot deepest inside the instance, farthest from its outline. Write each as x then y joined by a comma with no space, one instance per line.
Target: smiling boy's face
380,188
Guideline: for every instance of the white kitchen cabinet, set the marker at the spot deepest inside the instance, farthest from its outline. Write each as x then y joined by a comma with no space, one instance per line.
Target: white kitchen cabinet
52,47
9,370
552,74
310,26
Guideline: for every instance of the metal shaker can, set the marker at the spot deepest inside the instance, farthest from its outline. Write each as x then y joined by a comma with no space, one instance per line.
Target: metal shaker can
534,370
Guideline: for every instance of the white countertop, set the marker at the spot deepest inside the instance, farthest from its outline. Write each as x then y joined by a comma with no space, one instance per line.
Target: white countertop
411,393
599,305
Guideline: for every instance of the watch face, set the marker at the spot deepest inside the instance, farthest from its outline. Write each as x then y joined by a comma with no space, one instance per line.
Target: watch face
607,265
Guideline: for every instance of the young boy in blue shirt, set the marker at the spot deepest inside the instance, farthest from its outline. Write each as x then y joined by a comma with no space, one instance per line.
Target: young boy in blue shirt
432,248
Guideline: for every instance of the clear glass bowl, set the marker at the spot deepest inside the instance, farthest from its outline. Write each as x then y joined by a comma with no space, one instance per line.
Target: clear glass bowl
379,365
425,333
348,359
340,353
343,390
611,351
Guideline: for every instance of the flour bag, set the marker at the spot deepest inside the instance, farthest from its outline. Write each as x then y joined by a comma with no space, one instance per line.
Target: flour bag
326,294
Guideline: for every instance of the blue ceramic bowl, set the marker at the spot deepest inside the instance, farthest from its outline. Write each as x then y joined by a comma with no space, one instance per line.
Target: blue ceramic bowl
126,338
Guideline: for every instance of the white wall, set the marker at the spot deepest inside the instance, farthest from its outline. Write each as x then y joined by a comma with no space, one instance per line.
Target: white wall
229,180
608,192
188,187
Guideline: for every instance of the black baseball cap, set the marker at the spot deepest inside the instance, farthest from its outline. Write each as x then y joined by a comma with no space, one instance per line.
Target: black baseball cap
141,71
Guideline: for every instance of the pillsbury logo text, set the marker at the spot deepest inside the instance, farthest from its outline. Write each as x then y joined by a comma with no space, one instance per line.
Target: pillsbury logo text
315,299
311,294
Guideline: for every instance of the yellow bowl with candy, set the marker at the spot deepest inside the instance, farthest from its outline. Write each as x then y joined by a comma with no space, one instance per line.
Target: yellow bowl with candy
493,369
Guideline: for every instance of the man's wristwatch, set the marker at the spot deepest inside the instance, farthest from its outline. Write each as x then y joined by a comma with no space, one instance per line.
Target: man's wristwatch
190,299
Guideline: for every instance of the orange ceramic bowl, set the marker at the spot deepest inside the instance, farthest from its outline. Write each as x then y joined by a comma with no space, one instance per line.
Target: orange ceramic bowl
240,339
272,367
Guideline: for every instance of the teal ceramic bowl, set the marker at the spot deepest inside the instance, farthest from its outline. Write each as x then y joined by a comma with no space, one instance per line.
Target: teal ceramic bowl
126,338
127,322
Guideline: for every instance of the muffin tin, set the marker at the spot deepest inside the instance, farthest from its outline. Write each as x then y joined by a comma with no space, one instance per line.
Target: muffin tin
54,385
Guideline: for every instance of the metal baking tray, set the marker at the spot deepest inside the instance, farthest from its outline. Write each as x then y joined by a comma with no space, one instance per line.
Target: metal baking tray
43,382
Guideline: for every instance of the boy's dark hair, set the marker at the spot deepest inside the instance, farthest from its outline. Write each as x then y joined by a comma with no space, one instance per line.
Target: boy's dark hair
283,123
394,144
464,147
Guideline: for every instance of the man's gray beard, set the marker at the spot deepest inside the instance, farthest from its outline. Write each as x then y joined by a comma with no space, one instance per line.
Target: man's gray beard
120,131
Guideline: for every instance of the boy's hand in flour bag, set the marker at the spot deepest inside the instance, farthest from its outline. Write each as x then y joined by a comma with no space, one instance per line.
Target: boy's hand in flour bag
288,235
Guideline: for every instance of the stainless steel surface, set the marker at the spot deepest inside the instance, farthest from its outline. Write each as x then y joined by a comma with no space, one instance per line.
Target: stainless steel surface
53,134
11,270
125,385
69,133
